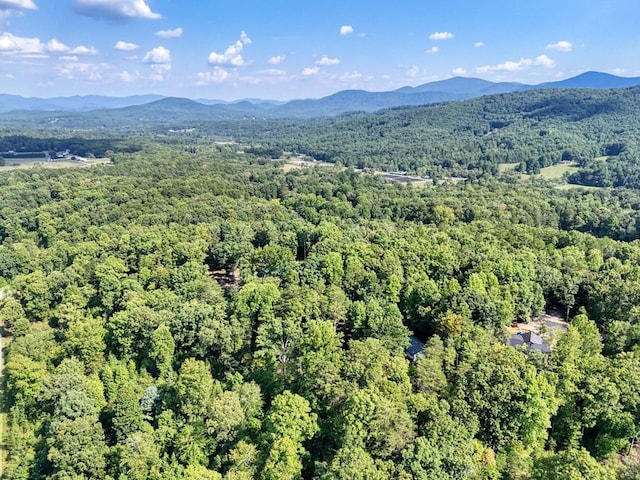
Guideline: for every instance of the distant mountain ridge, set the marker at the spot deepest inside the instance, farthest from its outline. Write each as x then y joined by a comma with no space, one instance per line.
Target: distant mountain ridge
459,86
452,89
596,80
76,103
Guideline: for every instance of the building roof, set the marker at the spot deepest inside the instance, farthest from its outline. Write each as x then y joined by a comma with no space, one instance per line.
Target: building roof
530,341
532,338
415,348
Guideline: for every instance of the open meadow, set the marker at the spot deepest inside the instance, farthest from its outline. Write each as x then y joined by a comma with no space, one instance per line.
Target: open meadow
27,163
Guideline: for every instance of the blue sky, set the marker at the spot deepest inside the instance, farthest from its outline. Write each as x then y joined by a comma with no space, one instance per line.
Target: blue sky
284,49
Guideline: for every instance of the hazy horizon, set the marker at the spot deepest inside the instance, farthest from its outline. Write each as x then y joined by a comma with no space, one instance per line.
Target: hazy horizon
236,100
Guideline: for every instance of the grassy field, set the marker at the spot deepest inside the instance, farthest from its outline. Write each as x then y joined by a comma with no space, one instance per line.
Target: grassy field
39,162
287,167
570,186
555,172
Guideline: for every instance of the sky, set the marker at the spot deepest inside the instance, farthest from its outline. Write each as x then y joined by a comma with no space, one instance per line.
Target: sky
285,49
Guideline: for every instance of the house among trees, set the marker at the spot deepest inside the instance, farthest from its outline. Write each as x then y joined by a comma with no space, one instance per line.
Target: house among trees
415,349
529,341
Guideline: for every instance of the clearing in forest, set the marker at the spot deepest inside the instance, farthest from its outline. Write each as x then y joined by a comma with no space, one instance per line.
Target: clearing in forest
555,172
25,163
551,323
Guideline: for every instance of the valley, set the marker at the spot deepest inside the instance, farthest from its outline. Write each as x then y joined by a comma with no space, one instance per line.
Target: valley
236,299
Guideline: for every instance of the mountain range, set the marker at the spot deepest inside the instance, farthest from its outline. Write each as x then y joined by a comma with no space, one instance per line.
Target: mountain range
452,89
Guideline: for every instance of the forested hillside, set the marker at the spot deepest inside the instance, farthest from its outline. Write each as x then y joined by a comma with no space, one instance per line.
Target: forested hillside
597,129
470,139
195,312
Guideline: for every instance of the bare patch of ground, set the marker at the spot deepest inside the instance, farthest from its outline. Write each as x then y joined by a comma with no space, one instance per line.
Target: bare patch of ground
299,162
227,278
548,325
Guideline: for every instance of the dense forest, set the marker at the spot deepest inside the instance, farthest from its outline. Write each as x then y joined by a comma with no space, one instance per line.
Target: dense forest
470,139
193,311
595,129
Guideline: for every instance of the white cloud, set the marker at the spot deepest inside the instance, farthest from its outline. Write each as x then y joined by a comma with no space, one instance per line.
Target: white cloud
413,71
346,29
478,44
310,71
562,46
11,44
160,60
459,71
327,61
105,73
126,77
17,5
159,71
276,60
220,75
618,71
355,76
350,79
441,36
232,55
158,56
82,50
116,9
217,75
523,63
95,72
272,72
270,76
69,58
543,61
10,8
55,46
433,50
125,46
175,33
353,79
